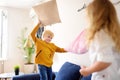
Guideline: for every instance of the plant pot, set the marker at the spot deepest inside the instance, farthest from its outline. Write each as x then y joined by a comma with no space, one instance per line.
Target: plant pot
29,68
17,71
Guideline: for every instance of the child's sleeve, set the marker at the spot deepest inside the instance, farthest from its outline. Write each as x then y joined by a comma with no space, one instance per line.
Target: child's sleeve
104,47
34,32
58,49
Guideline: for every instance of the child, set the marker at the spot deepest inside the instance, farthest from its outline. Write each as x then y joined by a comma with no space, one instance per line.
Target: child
103,39
45,52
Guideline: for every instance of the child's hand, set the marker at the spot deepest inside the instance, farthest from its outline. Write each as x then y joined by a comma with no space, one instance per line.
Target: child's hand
84,71
83,66
39,22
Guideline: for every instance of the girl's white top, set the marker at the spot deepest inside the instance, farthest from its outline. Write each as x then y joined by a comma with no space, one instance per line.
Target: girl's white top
102,48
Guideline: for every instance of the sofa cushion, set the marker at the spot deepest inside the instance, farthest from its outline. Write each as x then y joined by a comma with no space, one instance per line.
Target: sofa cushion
87,77
68,71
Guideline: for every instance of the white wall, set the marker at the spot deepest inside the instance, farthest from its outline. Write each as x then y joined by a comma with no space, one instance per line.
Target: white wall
65,32
17,20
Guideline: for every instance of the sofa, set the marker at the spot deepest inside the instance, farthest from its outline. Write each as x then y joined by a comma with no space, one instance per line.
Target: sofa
68,71
32,76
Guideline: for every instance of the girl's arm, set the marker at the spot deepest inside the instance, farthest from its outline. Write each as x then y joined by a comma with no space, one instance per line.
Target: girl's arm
96,67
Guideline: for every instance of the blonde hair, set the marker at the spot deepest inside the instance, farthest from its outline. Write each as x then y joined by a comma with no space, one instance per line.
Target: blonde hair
102,15
48,32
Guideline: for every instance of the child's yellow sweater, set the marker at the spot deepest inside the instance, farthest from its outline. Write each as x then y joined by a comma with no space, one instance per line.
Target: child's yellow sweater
44,51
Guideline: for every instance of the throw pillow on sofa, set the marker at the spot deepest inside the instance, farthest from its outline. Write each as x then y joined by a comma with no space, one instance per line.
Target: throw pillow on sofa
68,71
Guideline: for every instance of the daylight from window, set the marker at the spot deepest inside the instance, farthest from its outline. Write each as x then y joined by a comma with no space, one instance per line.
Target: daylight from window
3,34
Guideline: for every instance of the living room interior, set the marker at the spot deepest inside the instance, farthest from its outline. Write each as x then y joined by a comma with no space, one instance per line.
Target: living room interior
19,15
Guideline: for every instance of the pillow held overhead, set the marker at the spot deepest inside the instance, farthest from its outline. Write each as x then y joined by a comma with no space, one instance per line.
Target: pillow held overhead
47,12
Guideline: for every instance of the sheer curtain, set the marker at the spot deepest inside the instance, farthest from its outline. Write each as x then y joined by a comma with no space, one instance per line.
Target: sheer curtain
3,38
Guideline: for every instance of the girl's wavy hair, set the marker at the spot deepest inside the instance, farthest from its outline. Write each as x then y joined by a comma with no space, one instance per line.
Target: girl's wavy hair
102,15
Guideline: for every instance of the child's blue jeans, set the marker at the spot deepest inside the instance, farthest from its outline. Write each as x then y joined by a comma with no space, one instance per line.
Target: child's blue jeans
45,72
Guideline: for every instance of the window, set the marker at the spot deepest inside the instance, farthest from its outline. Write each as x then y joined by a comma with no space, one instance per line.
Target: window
3,34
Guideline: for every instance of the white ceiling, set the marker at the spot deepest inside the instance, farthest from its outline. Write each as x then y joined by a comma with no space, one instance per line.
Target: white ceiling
28,3
19,3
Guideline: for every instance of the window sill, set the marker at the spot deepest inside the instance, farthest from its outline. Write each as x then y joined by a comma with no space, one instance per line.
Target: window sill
3,59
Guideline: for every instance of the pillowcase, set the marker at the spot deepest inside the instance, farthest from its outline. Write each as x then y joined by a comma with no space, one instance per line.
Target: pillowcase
47,12
68,71
78,45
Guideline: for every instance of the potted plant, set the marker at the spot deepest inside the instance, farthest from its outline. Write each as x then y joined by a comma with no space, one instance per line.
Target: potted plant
16,69
27,47
29,50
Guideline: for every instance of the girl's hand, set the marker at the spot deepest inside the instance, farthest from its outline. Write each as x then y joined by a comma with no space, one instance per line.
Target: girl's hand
84,71
83,66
